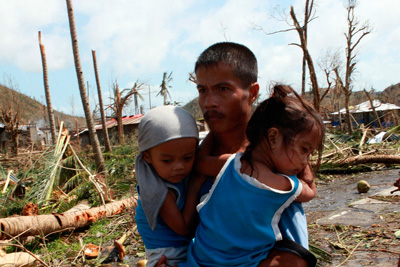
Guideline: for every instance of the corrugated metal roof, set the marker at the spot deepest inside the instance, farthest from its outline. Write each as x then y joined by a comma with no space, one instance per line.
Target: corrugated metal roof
127,120
366,107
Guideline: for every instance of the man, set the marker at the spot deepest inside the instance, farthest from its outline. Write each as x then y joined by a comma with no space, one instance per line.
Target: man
226,76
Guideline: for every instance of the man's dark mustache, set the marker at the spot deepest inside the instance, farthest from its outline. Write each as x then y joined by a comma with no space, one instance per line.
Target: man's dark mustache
213,114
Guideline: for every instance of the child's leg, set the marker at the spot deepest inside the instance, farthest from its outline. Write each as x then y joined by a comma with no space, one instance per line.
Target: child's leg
293,224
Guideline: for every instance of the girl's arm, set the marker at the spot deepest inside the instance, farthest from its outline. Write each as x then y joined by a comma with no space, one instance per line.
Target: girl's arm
309,189
182,222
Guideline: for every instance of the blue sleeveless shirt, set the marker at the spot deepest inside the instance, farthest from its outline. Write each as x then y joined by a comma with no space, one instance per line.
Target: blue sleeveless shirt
162,236
238,220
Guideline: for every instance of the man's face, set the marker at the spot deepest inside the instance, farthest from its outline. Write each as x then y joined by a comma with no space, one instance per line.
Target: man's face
224,102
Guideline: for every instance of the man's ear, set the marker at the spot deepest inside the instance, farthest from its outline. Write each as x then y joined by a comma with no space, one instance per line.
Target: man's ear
146,157
273,135
253,92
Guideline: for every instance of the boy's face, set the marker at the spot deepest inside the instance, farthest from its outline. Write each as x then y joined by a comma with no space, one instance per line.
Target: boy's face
223,100
172,160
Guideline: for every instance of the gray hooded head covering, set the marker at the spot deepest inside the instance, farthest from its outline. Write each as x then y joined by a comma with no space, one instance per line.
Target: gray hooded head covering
159,125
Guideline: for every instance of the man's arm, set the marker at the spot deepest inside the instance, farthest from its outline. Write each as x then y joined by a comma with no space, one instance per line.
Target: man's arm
206,163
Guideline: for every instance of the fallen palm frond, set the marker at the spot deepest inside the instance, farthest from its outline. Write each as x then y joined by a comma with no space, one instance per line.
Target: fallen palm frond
62,178
320,253
352,152
61,146
100,186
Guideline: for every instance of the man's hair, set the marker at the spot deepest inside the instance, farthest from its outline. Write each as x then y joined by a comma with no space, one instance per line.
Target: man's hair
239,57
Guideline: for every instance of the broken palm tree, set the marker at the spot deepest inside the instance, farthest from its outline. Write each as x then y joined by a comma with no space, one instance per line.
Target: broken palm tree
46,224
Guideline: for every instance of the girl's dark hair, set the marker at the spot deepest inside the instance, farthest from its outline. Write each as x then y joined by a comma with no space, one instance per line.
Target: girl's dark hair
239,57
286,111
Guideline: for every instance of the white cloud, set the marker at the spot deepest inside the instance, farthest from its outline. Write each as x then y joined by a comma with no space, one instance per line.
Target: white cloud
139,40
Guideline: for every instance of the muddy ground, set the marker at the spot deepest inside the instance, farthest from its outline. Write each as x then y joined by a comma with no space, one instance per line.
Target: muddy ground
365,236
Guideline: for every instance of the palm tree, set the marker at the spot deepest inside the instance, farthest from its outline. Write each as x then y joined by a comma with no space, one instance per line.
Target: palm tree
120,100
47,91
107,144
136,94
164,86
94,141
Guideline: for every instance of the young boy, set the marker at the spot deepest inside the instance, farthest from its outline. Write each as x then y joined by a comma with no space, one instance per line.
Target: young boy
168,139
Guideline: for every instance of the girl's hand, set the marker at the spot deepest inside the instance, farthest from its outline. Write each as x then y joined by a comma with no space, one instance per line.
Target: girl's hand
309,189
307,175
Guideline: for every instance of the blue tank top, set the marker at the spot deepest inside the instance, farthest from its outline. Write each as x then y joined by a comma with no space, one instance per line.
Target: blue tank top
238,220
162,236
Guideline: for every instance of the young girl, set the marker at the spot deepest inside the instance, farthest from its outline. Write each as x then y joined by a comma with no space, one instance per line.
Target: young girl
168,139
239,217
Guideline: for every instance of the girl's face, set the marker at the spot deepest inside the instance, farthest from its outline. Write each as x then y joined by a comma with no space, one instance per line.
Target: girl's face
172,160
292,158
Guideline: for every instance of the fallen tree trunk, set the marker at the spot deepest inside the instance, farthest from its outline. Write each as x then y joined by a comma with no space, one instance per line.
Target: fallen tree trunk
362,159
45,224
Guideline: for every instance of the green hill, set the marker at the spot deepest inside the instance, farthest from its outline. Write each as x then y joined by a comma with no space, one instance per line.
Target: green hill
193,108
32,111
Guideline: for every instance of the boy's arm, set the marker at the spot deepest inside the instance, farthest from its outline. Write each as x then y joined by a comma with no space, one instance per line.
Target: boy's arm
309,189
182,222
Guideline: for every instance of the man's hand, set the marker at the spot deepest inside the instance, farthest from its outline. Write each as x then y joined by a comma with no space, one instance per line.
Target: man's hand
162,262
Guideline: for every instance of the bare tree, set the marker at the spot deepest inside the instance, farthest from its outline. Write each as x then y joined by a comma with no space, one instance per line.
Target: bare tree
327,64
10,115
94,141
47,91
356,31
302,31
371,102
164,86
107,144
309,15
71,101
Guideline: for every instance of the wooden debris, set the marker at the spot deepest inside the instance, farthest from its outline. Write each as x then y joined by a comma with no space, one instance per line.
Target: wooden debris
17,259
45,224
30,209
91,251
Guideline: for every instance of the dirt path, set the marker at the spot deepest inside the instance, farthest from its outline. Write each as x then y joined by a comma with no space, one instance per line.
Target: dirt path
356,235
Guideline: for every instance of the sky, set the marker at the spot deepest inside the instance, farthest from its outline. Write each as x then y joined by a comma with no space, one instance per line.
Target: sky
140,40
